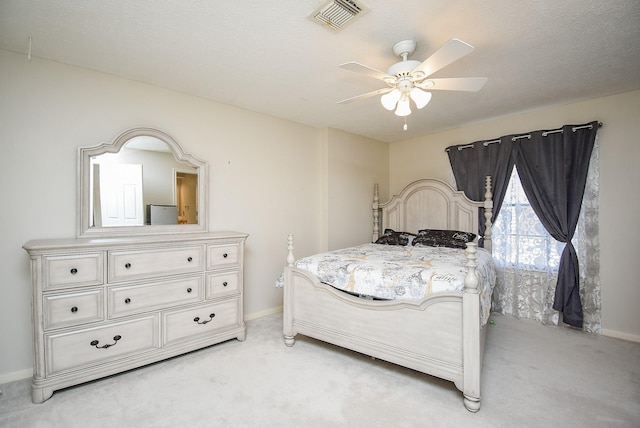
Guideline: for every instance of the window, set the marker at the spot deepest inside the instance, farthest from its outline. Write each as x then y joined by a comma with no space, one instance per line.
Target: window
519,238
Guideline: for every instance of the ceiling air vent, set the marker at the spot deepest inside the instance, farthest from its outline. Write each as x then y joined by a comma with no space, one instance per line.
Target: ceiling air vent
335,14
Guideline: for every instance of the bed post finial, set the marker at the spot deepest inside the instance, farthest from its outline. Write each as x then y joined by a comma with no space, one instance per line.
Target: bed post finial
488,213
376,214
290,257
471,279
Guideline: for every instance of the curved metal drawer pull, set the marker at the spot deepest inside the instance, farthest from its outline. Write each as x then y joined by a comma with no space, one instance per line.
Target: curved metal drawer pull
225,255
127,265
197,319
73,271
189,259
108,345
74,309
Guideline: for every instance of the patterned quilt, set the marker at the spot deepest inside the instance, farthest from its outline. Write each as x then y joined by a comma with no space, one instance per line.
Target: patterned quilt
401,272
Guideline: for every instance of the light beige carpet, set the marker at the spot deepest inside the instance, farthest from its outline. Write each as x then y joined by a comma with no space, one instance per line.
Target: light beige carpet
533,376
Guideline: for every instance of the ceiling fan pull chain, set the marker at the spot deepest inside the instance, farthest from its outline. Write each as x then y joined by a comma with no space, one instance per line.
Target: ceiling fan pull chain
405,123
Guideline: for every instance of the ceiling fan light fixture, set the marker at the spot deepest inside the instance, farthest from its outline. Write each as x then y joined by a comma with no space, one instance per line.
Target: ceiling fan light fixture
404,108
408,80
420,97
390,99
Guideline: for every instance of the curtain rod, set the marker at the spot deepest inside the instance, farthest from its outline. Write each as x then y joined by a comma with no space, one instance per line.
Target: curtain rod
518,137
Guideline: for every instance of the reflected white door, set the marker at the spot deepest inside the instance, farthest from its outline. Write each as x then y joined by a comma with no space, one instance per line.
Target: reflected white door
120,189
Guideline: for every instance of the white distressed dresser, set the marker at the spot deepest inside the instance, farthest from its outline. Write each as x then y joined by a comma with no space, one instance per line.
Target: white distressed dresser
106,305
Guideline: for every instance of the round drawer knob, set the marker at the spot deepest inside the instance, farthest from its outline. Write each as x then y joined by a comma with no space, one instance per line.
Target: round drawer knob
127,300
73,271
225,255
74,309
224,284
189,259
189,290
127,265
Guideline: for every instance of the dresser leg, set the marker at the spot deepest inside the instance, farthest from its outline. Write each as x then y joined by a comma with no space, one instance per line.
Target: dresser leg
40,394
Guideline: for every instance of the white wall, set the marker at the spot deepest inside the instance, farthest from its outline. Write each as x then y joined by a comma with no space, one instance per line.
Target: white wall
268,177
619,140
353,164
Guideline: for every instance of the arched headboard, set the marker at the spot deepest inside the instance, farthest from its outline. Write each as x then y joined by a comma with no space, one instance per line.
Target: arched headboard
431,204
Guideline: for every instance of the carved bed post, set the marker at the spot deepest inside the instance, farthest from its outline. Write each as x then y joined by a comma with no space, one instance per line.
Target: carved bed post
376,214
287,315
290,257
471,346
488,212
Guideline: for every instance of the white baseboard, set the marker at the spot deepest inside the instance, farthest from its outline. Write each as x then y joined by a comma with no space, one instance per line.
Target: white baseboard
621,335
264,313
13,376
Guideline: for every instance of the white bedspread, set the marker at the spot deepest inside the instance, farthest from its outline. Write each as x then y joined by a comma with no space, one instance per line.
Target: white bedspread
401,272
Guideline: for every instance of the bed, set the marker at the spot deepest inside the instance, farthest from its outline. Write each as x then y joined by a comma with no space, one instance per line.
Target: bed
441,334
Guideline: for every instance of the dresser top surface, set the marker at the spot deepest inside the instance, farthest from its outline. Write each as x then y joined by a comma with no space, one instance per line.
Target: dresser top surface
77,243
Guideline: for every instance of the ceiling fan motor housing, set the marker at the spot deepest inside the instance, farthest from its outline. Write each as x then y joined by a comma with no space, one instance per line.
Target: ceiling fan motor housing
403,68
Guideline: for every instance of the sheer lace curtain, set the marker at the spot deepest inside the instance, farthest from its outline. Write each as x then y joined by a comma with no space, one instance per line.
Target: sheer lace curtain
527,257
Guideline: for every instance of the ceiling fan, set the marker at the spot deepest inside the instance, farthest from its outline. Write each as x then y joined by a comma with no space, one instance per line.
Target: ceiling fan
409,79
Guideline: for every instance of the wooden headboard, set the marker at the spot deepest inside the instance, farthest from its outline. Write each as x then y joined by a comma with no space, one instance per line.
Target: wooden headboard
431,204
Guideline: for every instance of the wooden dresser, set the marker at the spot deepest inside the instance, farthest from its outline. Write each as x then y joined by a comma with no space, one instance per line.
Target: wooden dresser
103,306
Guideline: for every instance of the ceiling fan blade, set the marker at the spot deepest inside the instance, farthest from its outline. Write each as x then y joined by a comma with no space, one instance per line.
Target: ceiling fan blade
365,69
470,84
452,51
367,95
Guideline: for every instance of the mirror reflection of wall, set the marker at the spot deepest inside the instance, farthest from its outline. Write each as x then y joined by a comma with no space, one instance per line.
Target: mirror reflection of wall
120,199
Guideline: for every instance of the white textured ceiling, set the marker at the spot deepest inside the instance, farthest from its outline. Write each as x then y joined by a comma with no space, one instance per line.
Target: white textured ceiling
266,56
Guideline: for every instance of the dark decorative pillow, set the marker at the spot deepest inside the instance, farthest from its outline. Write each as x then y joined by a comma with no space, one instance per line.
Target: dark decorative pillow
443,238
391,237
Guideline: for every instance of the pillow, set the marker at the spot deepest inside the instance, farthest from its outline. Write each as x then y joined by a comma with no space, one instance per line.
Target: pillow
443,238
391,237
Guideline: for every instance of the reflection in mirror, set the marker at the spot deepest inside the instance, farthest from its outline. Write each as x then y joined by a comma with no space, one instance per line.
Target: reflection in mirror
187,197
142,183
125,193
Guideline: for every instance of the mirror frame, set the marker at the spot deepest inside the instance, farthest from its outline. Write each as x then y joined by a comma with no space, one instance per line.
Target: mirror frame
84,228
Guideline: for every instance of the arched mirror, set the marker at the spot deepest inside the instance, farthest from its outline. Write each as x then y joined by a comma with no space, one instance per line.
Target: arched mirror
142,183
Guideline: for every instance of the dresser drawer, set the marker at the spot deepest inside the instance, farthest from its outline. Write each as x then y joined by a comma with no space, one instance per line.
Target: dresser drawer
92,346
223,256
126,265
223,283
76,270
200,321
64,310
131,299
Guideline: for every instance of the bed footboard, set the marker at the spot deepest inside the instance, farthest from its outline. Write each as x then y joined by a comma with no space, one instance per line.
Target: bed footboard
440,335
